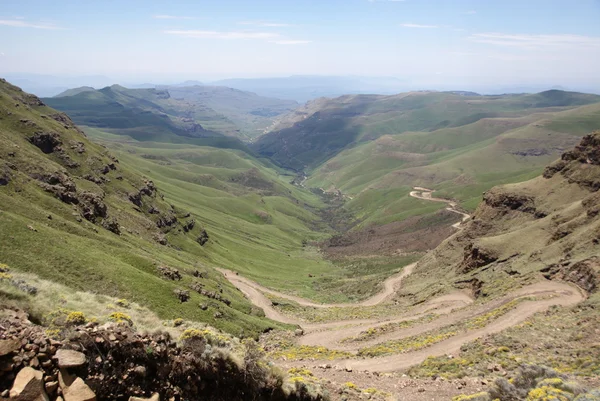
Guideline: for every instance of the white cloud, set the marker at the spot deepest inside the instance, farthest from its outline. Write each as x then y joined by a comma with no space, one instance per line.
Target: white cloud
166,16
408,25
291,42
265,24
223,35
536,42
19,22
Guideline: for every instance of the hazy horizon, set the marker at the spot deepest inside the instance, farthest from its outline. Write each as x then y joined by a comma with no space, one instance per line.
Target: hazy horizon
428,43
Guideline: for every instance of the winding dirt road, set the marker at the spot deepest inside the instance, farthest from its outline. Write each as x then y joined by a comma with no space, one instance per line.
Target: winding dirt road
449,309
389,288
427,194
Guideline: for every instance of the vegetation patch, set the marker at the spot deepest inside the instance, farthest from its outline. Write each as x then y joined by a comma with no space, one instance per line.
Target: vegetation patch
282,345
409,344
374,332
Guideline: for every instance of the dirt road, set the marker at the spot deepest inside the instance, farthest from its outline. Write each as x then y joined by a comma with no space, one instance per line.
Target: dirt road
427,194
389,288
450,309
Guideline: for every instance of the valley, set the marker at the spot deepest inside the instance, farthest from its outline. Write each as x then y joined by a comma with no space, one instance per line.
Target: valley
359,240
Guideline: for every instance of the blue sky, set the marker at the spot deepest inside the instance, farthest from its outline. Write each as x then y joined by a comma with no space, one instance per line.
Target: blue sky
420,40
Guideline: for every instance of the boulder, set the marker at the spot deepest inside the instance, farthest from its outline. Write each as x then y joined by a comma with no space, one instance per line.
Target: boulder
28,386
8,346
79,391
69,359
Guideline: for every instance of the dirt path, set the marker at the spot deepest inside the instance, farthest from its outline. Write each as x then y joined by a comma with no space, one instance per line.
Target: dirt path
449,308
389,288
329,334
427,194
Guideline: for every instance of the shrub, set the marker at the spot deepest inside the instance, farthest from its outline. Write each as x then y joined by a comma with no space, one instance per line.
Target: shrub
178,322
120,317
76,318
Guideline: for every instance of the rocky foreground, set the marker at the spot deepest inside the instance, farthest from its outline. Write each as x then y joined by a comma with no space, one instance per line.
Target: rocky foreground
112,362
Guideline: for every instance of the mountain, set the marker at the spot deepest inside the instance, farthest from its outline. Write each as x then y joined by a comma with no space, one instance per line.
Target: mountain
50,85
181,112
253,113
303,88
76,91
96,223
318,131
165,260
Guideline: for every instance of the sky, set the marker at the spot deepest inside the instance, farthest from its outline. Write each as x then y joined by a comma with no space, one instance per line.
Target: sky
429,41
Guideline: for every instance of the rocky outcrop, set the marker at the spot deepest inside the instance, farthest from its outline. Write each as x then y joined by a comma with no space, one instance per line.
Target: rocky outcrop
92,206
585,273
121,364
170,273
203,238
46,142
189,225
508,201
476,256
580,165
112,225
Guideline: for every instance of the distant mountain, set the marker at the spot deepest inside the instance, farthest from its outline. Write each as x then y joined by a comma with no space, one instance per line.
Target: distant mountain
75,91
218,110
144,114
322,128
50,85
303,88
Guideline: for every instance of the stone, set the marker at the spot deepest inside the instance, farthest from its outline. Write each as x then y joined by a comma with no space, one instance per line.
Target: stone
9,346
140,371
51,387
155,397
69,359
65,379
298,332
79,391
29,386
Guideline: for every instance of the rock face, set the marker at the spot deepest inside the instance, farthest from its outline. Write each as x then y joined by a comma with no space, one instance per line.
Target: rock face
580,165
28,386
583,273
69,359
476,256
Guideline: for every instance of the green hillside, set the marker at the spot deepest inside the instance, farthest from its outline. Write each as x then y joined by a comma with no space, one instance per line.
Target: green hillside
320,130
106,222
460,163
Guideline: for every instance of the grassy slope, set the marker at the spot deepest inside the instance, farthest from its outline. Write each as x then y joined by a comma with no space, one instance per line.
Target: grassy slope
258,233
321,129
256,220
459,162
